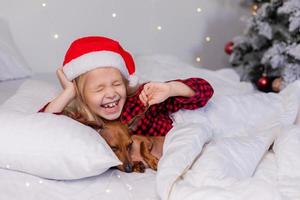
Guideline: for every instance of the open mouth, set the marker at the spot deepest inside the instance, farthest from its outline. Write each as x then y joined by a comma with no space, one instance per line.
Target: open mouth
111,107
110,104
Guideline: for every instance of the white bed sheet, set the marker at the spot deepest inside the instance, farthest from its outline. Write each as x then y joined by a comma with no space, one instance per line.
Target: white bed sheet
111,185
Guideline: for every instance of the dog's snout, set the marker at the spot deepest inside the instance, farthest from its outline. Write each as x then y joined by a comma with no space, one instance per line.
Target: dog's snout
128,168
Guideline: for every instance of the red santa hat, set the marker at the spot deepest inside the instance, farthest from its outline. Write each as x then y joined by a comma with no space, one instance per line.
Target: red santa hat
91,52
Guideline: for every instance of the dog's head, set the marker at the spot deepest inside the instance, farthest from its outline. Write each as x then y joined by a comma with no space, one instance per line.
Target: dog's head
118,138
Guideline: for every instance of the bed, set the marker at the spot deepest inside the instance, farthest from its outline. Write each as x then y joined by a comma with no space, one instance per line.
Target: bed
113,184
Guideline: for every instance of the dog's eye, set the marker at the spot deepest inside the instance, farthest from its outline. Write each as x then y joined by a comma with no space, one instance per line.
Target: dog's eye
114,148
130,146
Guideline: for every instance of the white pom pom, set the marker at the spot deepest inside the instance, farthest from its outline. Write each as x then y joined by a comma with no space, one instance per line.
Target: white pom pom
133,80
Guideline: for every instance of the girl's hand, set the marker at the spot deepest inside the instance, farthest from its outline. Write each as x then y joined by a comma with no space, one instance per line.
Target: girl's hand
154,93
67,85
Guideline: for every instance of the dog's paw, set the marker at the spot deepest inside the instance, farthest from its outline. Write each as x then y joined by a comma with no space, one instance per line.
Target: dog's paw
153,162
139,166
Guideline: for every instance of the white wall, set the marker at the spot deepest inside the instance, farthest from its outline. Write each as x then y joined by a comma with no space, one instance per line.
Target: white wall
135,26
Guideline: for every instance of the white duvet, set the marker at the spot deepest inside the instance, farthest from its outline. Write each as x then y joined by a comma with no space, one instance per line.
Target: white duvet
214,153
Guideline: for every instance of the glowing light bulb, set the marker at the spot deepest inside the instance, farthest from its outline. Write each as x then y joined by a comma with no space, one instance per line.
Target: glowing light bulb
254,7
56,36
27,184
159,28
107,190
44,4
7,166
198,59
114,15
199,10
208,39
40,181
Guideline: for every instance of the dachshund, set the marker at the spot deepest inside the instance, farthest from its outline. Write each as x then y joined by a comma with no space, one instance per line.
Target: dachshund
136,152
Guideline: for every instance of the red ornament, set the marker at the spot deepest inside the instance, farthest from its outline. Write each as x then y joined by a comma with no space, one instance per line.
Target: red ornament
229,48
263,82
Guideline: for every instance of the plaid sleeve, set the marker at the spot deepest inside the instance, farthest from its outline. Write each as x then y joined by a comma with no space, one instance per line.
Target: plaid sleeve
203,92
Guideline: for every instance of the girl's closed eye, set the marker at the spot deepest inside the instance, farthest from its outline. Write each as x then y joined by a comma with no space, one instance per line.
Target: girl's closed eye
117,83
99,89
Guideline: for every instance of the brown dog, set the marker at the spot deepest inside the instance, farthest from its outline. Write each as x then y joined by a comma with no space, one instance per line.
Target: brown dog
136,152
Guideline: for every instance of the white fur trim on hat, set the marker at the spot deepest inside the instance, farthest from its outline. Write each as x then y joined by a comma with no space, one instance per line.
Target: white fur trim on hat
93,60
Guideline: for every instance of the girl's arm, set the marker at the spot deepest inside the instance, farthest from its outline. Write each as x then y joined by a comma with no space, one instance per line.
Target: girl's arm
180,89
61,101
188,94
157,92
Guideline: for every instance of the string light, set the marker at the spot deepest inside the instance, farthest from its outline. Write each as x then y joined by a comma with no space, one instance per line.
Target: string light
208,39
198,59
254,9
7,166
27,184
55,36
44,4
40,181
114,15
199,10
159,28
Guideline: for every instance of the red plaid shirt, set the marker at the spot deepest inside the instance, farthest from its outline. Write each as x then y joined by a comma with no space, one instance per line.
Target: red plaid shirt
156,121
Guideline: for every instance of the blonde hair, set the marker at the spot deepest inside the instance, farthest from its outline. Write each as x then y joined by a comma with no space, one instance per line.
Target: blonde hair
79,110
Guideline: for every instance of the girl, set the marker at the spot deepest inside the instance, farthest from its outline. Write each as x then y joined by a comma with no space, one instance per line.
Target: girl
99,85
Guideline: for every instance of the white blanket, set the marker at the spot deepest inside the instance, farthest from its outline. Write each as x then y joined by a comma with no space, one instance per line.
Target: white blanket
216,156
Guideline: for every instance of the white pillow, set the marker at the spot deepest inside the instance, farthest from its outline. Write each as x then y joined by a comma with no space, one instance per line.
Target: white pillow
12,64
48,145
52,146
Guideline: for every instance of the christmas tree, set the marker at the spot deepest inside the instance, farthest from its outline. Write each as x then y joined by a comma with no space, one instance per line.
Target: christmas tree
268,54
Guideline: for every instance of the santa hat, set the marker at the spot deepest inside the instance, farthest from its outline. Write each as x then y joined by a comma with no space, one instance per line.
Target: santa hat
89,53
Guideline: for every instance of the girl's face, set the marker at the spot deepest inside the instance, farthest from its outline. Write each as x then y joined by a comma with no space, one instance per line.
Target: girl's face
104,92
